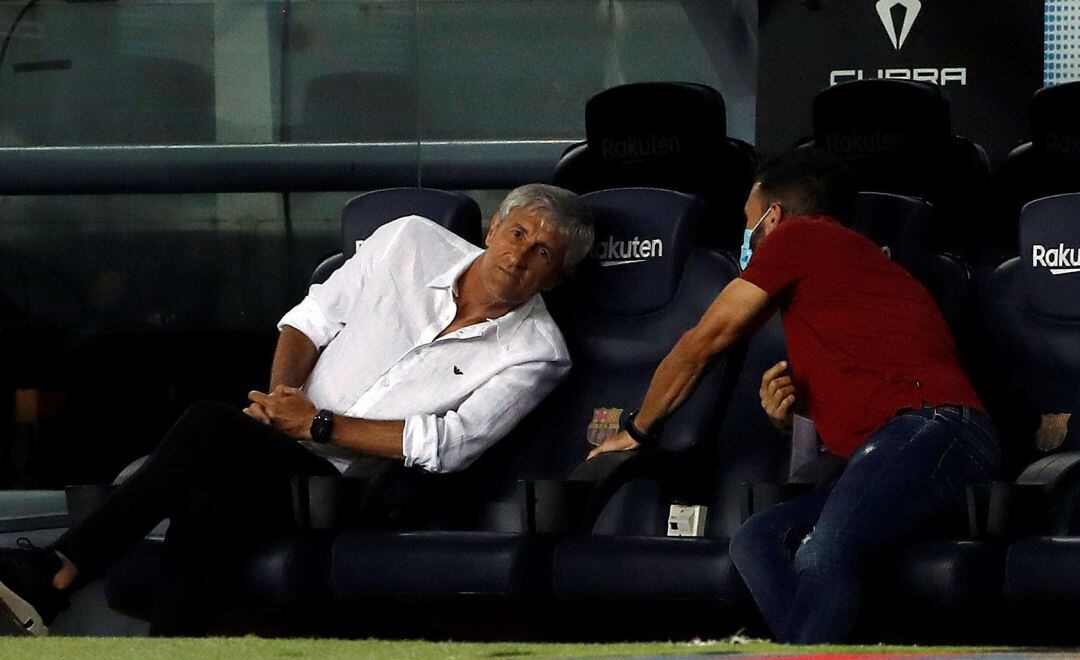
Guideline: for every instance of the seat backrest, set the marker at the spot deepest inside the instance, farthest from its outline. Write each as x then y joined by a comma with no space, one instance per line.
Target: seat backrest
900,225
1055,121
365,213
1032,310
897,137
883,128
665,135
644,285
1048,164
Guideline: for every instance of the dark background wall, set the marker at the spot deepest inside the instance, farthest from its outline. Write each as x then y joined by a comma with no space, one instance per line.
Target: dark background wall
987,56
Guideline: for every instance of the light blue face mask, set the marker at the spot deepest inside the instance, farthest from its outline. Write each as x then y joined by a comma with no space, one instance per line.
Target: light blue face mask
747,251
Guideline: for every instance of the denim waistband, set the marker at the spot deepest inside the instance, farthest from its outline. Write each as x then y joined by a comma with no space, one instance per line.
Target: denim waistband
965,413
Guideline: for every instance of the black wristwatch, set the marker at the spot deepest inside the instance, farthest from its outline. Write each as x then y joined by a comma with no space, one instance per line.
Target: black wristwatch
321,426
642,438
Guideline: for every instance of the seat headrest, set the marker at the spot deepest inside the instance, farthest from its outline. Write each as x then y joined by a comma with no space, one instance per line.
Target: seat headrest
643,238
1055,128
880,117
364,214
632,123
900,225
1050,255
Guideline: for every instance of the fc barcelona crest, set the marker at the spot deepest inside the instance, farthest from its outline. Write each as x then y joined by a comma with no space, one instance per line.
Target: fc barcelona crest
604,424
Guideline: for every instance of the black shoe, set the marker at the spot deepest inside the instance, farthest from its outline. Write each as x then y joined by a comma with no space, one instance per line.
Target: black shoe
28,599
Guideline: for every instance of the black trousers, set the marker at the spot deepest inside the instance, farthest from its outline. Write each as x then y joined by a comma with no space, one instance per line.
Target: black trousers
222,480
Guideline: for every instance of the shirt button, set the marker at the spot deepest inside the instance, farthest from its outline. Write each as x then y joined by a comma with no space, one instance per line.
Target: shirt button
918,384
386,382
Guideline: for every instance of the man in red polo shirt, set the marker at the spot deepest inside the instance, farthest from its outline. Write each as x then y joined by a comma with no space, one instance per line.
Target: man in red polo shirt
872,357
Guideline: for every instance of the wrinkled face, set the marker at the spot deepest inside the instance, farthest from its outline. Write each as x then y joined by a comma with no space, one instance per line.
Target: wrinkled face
525,255
761,216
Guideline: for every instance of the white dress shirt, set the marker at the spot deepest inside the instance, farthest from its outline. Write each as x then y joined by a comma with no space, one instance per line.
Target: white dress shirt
376,320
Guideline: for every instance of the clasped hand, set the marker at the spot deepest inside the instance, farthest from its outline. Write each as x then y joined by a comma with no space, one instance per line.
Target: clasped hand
286,409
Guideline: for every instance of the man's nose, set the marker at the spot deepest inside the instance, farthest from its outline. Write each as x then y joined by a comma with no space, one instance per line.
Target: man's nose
516,257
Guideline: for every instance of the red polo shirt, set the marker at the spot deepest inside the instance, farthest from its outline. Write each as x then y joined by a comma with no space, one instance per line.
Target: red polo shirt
865,340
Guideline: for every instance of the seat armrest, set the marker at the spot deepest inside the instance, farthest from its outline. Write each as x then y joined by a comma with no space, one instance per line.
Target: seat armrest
561,506
824,469
1001,510
327,501
757,497
1057,477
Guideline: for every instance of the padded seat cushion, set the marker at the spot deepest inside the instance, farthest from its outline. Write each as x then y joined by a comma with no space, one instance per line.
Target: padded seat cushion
130,582
949,574
285,571
434,565
645,568
1043,570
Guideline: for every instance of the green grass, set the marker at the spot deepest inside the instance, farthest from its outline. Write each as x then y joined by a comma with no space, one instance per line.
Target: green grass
254,647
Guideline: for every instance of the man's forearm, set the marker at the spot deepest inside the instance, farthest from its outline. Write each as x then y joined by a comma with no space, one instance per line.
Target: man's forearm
368,436
294,359
738,311
675,378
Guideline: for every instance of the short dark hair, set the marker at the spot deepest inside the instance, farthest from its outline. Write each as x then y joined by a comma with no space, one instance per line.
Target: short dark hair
809,181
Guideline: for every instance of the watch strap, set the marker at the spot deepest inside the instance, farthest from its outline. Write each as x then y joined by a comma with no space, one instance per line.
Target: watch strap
642,438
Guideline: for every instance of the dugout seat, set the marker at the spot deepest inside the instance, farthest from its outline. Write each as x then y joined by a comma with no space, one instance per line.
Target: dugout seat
905,229
1047,164
628,564
626,307
621,314
897,137
665,135
364,214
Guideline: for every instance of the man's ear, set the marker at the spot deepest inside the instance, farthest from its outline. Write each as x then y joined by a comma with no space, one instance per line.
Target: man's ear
495,221
775,217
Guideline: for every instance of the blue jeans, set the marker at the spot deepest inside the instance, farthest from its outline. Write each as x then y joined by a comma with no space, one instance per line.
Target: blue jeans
803,559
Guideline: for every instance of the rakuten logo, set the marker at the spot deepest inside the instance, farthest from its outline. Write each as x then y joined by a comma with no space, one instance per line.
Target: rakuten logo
864,143
639,148
611,252
1062,145
1060,260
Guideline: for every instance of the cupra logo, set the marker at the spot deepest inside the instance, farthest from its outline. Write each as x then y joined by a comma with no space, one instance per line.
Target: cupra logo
911,10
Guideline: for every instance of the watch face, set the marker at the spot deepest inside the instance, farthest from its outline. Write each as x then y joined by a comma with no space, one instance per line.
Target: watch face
321,425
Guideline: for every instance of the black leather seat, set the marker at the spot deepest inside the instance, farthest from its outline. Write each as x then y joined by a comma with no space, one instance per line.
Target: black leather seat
906,229
665,135
295,570
1047,164
897,137
1033,304
643,286
364,214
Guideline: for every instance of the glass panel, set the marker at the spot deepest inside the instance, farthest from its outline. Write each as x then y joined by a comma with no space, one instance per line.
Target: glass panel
107,73
145,263
350,71
515,69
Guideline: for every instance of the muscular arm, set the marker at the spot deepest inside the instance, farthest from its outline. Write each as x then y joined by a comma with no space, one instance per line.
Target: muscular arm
739,310
294,359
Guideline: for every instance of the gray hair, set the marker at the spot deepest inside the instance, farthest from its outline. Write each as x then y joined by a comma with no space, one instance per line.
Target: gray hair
572,219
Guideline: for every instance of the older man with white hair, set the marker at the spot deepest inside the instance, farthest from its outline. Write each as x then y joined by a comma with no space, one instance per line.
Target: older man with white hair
421,349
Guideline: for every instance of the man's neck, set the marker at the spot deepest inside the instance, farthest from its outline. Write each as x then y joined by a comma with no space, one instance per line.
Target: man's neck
473,301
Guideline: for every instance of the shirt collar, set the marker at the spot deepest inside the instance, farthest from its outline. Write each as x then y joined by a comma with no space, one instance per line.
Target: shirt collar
506,326
449,277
